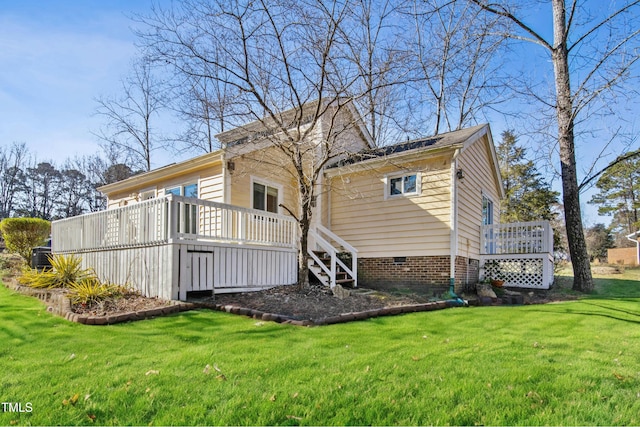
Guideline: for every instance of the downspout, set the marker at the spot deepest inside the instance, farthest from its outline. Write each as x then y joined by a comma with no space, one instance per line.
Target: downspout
455,300
226,179
637,242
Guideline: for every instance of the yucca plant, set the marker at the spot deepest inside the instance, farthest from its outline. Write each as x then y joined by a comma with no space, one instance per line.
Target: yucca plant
90,290
65,271
68,270
45,279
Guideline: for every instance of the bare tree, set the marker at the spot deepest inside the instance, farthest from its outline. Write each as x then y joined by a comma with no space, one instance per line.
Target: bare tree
12,163
591,57
205,105
80,178
455,66
376,48
288,61
75,192
40,191
130,118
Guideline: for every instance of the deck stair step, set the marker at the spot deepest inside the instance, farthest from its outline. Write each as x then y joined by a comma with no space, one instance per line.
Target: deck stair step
328,264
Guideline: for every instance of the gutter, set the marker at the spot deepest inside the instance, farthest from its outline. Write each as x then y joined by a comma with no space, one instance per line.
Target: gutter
637,242
164,173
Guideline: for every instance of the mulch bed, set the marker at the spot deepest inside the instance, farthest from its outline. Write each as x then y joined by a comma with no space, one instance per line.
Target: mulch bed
313,302
316,305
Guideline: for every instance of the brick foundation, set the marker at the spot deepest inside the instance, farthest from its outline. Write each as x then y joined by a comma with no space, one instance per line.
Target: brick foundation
423,274
467,273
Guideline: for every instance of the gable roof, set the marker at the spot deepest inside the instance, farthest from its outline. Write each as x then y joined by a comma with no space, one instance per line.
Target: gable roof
450,141
291,118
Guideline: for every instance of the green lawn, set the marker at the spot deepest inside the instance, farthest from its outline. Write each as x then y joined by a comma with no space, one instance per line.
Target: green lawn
573,363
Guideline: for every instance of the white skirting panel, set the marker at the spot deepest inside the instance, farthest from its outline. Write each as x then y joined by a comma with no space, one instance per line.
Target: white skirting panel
235,268
169,271
149,269
530,271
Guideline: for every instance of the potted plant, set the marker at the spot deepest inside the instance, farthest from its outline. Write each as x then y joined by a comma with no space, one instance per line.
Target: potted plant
493,273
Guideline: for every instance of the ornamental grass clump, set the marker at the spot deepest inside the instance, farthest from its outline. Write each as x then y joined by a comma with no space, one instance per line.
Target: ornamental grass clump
68,270
82,285
64,272
90,291
45,279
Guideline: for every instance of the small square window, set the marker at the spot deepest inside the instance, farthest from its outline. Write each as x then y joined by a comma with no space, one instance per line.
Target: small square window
265,198
176,191
409,182
406,184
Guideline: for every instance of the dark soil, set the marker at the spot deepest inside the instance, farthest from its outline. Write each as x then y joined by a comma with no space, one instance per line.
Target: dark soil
314,302
318,302
128,303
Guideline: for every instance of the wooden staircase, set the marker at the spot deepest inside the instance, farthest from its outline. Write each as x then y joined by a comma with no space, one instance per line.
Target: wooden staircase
341,277
333,265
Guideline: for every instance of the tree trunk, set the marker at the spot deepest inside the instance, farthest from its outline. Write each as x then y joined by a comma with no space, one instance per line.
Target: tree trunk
303,255
582,280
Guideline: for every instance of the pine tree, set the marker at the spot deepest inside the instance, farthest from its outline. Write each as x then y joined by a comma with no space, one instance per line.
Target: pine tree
619,197
528,197
599,239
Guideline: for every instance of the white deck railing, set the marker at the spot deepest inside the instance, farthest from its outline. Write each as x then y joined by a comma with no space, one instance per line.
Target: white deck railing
516,238
172,218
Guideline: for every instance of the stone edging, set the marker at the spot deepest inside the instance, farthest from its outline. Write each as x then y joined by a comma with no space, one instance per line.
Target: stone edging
342,318
60,305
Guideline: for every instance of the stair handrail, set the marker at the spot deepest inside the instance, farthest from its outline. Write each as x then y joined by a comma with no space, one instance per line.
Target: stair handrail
337,238
322,264
334,257
333,252
353,271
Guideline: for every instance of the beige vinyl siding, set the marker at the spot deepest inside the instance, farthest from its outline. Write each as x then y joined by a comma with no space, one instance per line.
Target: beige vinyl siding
268,167
209,179
398,226
349,136
119,200
322,215
211,184
476,163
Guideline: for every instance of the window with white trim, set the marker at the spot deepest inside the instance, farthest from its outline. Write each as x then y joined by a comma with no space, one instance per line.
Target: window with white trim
186,190
403,185
487,210
265,197
188,223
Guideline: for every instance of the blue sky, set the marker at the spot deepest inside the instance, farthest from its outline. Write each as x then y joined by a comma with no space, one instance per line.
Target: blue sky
57,56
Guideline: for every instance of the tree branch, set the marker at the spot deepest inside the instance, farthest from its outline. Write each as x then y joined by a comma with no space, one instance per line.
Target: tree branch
620,159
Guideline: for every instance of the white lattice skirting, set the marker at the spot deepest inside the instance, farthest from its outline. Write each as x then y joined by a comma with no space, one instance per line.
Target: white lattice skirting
533,271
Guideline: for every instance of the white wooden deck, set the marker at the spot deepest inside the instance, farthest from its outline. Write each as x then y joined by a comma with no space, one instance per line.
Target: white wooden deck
521,254
169,246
